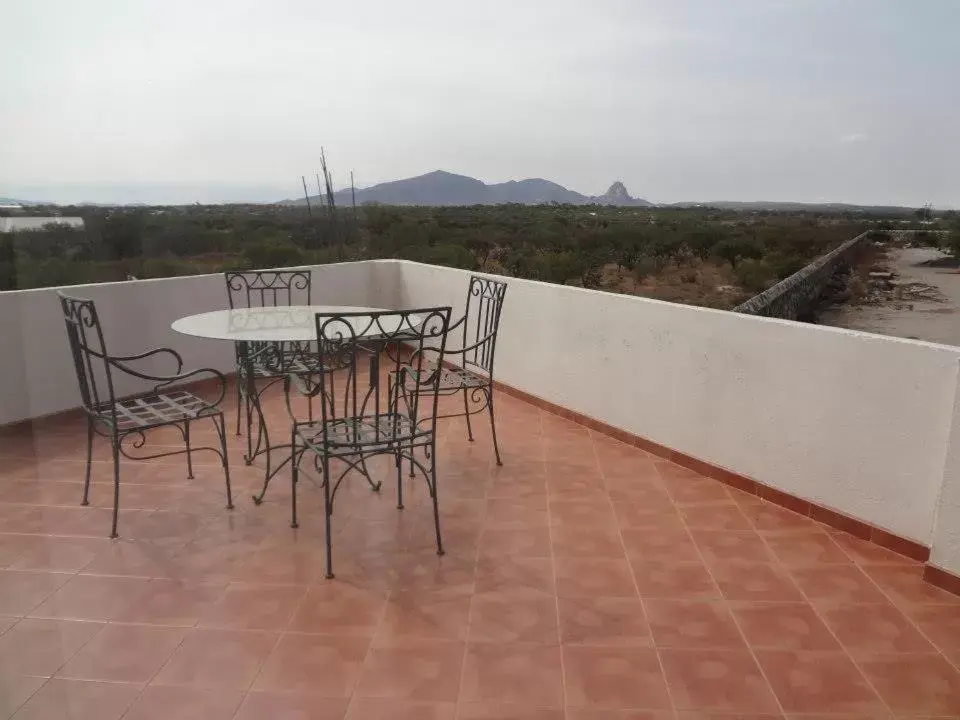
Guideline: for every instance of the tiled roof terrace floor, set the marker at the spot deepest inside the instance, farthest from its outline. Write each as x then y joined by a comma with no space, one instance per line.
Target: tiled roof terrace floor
583,580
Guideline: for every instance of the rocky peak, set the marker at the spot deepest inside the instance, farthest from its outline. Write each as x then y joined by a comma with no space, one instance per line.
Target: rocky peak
617,194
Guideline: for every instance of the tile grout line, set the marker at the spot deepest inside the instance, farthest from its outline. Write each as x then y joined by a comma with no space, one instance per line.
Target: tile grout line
280,636
553,568
726,603
110,621
636,584
913,623
766,538
939,651
469,621
157,672
191,628
366,656
816,611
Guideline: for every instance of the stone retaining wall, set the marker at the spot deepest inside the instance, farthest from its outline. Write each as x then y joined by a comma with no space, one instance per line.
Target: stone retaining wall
792,296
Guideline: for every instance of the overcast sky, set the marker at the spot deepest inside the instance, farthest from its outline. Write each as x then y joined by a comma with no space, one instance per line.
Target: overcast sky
214,100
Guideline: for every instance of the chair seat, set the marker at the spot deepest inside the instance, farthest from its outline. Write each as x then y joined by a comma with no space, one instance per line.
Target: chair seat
367,431
450,378
290,367
154,410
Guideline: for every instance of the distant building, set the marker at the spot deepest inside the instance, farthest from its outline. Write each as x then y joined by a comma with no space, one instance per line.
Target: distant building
28,224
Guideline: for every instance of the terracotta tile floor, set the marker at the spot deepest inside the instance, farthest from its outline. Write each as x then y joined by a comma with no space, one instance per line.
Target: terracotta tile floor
583,580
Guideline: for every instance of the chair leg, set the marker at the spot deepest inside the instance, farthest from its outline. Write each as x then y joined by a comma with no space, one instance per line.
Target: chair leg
466,413
327,511
239,399
399,463
186,438
433,495
493,425
374,485
249,415
116,484
407,403
294,478
222,433
86,480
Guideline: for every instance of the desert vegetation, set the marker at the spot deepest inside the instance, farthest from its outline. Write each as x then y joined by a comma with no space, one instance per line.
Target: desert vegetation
699,255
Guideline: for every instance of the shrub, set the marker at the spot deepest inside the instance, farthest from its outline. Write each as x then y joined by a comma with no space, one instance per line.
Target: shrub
272,254
754,275
644,267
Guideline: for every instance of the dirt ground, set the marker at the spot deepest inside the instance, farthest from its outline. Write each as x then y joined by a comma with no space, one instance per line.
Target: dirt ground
697,282
908,314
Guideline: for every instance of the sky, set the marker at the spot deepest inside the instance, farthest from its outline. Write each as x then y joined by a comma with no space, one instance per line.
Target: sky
683,100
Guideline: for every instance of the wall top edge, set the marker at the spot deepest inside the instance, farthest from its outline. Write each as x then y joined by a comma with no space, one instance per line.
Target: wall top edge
613,298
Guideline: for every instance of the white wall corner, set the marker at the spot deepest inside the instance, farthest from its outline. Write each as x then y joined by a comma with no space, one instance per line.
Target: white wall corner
945,550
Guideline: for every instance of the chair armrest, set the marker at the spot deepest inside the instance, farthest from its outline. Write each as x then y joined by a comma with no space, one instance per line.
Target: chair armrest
426,374
472,346
164,381
305,385
150,353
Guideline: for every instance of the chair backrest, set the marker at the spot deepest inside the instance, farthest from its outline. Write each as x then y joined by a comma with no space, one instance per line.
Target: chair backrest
482,321
350,345
268,288
89,352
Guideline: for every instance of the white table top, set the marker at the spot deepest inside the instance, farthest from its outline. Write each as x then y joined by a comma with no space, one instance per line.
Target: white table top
295,323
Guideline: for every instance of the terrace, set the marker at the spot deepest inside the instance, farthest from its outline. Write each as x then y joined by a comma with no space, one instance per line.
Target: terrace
700,514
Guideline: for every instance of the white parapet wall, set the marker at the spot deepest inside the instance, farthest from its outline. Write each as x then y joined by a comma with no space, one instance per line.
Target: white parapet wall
852,421
945,551
36,372
864,424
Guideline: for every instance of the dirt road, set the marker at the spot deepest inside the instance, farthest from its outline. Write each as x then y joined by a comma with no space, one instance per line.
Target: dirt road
923,320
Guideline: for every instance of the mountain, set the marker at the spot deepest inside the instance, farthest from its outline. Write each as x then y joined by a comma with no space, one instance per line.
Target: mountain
617,194
445,188
533,191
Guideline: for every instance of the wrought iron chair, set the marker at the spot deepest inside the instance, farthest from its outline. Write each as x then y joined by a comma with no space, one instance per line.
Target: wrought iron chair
118,419
355,423
273,288
471,370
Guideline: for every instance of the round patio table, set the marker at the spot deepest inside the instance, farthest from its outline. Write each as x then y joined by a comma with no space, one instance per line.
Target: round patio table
252,327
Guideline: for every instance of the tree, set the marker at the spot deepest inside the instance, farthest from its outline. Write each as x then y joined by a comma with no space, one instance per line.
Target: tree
627,247
702,242
123,235
272,254
8,262
754,275
560,267
952,241
481,244
663,248
733,250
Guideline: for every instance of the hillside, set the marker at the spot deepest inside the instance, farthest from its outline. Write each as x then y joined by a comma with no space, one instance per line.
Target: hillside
441,188
784,206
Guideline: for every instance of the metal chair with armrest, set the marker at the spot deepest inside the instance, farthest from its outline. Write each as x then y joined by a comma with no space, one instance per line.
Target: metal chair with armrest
470,370
119,419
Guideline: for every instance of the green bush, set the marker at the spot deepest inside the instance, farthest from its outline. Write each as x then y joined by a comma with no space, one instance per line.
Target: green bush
272,254
644,267
754,275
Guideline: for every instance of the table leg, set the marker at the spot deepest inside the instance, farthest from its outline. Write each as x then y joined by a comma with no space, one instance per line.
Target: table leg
253,406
